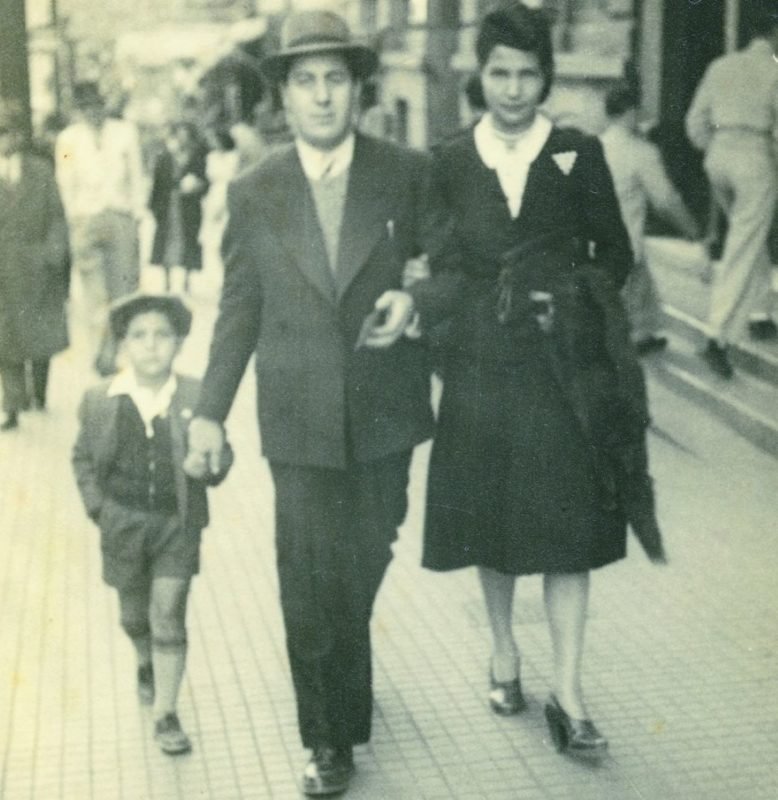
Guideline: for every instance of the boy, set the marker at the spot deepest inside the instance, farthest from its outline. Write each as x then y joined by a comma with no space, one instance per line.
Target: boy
128,461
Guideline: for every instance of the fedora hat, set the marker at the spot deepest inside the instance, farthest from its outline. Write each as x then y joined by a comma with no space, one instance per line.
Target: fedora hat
308,33
126,308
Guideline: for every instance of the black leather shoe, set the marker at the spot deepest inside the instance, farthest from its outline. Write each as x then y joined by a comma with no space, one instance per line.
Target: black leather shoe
11,421
651,344
763,330
328,772
717,359
576,737
505,697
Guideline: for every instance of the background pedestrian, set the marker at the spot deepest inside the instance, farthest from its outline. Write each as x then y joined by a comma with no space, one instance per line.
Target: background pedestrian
734,119
179,184
641,183
34,270
100,176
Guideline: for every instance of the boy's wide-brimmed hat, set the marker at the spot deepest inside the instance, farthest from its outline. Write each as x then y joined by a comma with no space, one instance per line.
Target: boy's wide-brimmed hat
308,33
126,308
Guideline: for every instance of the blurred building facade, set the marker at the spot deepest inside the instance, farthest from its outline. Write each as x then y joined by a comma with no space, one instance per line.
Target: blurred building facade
427,54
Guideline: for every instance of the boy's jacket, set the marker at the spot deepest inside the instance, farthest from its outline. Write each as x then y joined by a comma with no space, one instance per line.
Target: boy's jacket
95,449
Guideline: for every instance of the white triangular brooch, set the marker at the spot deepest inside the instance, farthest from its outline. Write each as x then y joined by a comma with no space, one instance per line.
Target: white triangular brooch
566,160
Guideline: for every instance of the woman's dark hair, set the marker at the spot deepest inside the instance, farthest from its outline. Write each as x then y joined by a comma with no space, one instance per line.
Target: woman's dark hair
521,28
474,93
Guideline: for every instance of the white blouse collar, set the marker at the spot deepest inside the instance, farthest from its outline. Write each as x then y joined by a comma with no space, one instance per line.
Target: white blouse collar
494,149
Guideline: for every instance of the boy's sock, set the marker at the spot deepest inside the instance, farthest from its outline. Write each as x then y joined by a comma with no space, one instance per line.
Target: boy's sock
169,660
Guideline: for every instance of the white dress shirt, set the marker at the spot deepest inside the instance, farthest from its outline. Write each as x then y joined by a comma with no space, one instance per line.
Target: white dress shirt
100,170
640,180
738,91
511,158
316,163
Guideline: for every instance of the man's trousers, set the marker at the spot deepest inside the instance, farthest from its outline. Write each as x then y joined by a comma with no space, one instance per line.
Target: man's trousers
741,169
334,534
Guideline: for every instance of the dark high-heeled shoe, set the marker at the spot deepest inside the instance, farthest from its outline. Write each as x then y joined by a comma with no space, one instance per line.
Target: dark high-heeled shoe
577,737
505,697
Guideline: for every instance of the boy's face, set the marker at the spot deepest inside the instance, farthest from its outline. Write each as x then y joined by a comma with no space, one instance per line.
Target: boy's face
150,346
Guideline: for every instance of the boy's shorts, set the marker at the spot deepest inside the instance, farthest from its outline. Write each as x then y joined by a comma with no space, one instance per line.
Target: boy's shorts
139,545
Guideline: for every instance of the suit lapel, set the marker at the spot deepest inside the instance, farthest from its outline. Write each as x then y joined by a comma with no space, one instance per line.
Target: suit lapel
366,212
299,227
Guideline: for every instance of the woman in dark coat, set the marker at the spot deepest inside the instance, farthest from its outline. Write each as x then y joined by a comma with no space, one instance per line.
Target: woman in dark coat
34,270
178,186
539,458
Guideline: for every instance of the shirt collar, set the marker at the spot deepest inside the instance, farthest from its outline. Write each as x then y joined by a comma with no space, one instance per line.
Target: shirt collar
149,403
494,150
316,162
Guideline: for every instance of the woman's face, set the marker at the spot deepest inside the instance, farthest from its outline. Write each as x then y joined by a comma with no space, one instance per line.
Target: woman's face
513,85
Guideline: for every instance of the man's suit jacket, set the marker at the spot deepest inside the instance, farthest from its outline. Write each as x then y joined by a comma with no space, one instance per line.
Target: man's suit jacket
320,400
96,445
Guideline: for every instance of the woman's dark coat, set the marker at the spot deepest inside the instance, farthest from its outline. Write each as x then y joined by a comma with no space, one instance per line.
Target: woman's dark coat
34,265
568,241
166,178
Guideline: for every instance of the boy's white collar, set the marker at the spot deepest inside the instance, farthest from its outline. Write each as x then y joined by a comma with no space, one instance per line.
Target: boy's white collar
149,403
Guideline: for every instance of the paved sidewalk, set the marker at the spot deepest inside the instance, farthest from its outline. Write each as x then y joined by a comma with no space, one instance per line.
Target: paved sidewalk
680,667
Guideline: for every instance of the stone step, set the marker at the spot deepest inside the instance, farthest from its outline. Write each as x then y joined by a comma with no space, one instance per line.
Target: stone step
747,403
759,359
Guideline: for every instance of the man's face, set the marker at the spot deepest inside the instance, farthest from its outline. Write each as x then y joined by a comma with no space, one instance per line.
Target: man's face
321,97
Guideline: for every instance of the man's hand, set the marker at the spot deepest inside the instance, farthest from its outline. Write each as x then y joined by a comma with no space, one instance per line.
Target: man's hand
397,308
206,442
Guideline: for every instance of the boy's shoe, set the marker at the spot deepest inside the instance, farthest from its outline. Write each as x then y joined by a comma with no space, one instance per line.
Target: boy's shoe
146,684
170,737
328,772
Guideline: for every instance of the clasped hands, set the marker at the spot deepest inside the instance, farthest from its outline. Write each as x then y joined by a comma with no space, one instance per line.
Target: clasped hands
396,310
206,445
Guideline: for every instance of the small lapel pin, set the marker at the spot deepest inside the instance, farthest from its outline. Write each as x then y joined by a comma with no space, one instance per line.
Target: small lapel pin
566,160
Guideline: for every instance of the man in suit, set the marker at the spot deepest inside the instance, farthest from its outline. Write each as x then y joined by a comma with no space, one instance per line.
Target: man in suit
317,239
